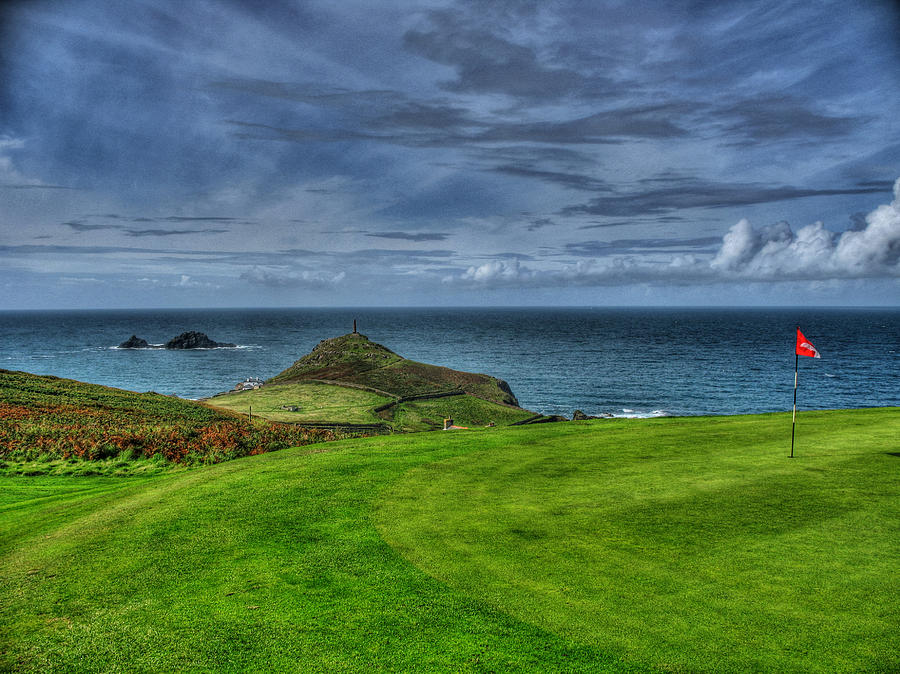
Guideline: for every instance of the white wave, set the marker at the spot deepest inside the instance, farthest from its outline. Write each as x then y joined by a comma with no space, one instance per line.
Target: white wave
155,347
627,413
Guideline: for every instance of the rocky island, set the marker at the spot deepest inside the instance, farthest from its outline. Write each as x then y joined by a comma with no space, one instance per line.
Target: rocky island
186,340
195,340
135,342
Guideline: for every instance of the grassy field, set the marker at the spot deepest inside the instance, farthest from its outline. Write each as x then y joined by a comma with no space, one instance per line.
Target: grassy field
316,402
647,545
421,415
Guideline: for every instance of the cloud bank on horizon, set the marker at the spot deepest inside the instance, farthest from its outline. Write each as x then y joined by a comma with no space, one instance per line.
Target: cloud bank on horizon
448,152
770,253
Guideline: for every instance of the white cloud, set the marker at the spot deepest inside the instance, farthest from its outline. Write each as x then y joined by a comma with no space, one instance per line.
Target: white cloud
814,252
81,280
183,281
284,278
8,172
773,253
498,272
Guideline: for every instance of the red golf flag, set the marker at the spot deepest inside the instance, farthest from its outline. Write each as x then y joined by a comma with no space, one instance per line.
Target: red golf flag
804,347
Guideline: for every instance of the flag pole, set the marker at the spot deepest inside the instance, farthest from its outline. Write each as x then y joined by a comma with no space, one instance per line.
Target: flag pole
794,418
804,348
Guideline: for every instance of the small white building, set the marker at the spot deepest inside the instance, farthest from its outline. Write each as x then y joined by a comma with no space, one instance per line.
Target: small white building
249,384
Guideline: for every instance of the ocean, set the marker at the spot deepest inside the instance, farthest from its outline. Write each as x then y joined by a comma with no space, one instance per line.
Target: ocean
624,362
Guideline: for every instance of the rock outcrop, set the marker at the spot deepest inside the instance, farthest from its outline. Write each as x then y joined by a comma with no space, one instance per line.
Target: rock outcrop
578,415
134,342
195,340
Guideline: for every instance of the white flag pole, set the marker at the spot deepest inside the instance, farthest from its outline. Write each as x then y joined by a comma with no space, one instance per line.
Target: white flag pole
794,418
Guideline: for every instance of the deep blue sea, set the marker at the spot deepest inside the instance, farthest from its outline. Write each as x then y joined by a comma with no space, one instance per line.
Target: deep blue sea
627,362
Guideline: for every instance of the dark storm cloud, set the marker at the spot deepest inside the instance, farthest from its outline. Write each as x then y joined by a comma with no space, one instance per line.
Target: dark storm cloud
602,127
255,131
411,236
571,180
375,254
661,220
539,223
532,155
80,226
522,257
882,185
772,118
701,194
611,127
35,187
180,218
171,232
426,115
389,115
487,63
633,246
312,93
58,249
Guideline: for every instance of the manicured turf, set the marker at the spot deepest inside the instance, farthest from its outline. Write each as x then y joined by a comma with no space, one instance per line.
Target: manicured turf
689,545
670,544
316,402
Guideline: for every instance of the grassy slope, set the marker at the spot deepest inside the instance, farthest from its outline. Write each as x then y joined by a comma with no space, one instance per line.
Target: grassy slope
43,418
690,544
422,415
317,402
45,393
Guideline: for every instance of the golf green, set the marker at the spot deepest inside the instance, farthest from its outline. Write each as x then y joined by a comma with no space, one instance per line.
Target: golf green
692,544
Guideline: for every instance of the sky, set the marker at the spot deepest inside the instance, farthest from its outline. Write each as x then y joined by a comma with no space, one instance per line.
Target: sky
236,153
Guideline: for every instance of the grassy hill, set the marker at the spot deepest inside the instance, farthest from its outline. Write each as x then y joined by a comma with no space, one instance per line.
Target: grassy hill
682,544
353,359
53,422
351,380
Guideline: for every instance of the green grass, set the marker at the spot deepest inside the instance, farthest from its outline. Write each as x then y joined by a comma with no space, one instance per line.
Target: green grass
316,402
409,378
126,464
651,545
421,415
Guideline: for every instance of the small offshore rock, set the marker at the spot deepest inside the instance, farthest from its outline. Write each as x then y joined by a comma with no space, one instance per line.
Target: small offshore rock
578,415
195,340
134,342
